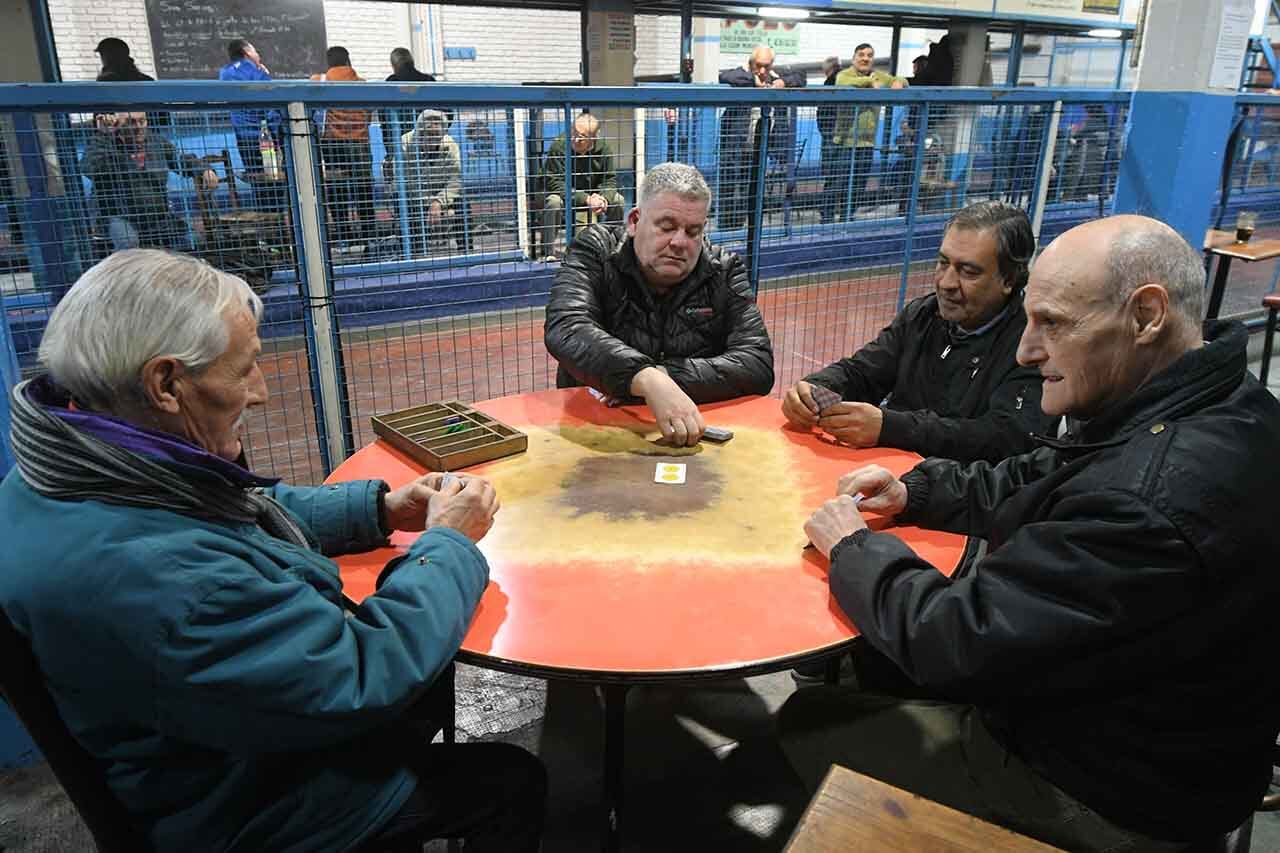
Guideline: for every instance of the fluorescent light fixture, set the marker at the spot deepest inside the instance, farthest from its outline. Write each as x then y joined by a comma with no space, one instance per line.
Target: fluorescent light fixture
1105,34
774,12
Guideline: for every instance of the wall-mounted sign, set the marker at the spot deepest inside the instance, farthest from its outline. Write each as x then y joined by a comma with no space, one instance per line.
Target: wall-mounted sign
739,37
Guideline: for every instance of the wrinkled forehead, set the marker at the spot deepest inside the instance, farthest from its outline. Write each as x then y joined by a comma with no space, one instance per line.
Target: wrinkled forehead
683,211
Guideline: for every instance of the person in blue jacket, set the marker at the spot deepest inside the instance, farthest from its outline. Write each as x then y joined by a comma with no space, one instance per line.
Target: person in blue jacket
247,66
184,611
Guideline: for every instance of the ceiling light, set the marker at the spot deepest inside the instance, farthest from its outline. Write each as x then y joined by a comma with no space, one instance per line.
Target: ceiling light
773,12
1105,34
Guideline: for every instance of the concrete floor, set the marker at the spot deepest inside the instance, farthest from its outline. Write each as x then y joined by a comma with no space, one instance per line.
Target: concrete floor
703,768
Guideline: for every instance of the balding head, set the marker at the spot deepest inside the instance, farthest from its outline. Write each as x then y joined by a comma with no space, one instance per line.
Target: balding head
586,128
761,62
1110,304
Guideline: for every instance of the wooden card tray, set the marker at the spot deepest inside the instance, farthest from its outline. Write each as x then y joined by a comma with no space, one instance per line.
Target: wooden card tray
448,436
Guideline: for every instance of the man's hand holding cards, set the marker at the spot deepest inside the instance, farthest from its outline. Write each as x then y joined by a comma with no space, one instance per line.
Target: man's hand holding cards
805,403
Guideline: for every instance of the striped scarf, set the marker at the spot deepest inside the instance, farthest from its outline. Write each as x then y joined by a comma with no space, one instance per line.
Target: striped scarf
64,463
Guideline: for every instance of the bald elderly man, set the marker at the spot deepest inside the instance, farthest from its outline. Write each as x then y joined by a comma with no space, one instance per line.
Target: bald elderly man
739,145
595,183
1107,664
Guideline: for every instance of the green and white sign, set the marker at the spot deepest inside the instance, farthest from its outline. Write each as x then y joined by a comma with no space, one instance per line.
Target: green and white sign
739,37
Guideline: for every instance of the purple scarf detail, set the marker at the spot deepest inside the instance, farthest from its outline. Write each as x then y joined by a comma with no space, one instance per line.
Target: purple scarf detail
159,446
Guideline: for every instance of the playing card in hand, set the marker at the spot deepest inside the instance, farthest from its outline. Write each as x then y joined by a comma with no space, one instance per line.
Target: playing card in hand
824,397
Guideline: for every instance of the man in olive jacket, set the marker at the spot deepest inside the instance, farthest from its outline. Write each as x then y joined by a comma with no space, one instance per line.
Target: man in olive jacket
941,379
656,312
1107,666
594,195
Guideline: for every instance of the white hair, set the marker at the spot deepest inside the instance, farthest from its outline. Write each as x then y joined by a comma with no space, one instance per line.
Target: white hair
678,178
132,307
1150,252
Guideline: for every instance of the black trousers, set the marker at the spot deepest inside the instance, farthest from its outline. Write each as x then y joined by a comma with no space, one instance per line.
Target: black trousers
348,184
491,795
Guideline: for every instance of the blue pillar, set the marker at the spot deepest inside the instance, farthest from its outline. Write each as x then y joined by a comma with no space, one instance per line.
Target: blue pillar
1181,113
1173,158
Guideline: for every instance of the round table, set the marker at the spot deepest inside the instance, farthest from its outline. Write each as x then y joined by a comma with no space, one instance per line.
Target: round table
601,573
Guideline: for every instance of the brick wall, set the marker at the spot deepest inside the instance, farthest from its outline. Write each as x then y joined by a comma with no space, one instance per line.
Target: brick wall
368,30
512,45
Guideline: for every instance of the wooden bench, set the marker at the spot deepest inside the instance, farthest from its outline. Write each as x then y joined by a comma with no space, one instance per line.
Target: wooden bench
852,812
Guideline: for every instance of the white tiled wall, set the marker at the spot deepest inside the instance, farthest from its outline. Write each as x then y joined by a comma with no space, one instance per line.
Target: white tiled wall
512,45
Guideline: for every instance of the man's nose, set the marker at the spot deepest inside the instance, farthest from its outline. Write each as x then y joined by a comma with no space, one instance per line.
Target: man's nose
1030,351
947,279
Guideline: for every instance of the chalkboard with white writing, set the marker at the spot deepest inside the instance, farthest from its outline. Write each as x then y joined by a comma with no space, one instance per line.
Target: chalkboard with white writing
189,37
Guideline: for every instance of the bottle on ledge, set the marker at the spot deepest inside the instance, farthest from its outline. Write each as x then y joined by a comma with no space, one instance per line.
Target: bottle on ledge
270,157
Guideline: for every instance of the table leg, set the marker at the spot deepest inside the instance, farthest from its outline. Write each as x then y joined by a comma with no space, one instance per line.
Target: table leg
615,712
1219,285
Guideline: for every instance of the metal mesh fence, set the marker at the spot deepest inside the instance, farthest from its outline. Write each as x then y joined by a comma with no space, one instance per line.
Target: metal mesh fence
1253,190
438,228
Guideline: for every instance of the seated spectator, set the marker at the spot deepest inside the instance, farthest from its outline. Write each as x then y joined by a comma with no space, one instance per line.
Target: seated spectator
433,181
656,312
1103,679
595,182
348,162
129,167
184,613
942,379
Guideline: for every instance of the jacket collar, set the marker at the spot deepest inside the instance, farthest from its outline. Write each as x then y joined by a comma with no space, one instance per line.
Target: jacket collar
1198,378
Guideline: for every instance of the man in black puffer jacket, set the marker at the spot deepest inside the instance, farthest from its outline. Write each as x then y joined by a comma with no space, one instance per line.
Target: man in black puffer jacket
941,379
658,313
1113,650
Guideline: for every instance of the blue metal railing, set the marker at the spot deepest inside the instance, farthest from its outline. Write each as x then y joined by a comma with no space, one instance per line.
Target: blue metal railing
967,144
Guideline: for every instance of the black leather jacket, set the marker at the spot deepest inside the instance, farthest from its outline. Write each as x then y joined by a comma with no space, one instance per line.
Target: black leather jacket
1118,635
964,398
604,324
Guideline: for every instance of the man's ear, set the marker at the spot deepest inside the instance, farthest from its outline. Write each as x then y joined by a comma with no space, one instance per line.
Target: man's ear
160,377
633,219
1149,312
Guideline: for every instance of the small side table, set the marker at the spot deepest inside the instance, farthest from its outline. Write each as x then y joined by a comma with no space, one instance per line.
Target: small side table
1223,245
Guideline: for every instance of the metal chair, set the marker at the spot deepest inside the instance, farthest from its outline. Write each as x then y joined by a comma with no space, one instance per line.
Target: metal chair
78,772
1272,303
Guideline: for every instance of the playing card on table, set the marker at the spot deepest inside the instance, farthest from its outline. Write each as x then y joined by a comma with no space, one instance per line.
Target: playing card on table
825,398
669,472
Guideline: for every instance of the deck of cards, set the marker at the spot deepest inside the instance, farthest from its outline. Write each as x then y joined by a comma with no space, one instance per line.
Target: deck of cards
824,398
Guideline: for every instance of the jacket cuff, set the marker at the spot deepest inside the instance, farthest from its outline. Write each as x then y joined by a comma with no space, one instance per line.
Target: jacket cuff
895,429
856,539
917,483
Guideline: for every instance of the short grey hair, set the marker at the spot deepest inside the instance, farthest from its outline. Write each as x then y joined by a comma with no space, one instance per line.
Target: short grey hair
130,308
1153,253
679,178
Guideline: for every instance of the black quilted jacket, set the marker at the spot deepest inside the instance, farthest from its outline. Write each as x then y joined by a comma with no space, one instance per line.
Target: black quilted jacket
605,324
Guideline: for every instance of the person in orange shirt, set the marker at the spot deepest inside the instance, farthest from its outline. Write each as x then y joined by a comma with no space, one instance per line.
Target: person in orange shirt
348,162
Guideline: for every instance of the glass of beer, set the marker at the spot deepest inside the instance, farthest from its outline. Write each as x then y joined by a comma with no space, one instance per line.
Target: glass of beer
1246,221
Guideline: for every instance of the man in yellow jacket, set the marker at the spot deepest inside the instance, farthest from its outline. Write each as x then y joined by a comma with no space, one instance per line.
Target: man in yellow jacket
856,128
348,162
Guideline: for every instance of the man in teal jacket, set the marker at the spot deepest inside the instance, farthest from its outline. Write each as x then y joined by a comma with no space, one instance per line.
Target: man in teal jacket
184,611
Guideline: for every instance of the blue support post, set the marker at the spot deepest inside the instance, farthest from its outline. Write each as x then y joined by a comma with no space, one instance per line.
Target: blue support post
909,227
1173,158
755,220
1124,50
1014,66
686,41
568,175
401,195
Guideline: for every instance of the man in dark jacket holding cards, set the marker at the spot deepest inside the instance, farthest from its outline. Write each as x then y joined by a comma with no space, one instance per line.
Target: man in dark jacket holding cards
941,379
1105,670
655,312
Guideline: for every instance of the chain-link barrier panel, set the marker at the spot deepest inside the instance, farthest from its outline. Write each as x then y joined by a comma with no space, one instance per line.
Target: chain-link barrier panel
411,259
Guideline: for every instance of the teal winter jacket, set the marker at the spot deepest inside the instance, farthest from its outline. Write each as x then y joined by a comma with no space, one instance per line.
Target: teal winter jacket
213,670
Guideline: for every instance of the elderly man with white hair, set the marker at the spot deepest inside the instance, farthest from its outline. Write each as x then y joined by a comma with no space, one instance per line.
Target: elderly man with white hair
656,312
186,615
1103,679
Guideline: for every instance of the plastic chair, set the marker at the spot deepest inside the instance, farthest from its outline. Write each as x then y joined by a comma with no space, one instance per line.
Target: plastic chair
78,772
